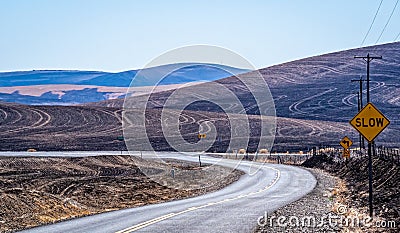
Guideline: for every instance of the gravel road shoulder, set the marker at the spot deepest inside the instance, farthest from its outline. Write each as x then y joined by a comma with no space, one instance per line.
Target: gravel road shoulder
316,206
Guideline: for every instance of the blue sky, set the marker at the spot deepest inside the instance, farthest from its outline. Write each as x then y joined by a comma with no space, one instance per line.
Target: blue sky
121,35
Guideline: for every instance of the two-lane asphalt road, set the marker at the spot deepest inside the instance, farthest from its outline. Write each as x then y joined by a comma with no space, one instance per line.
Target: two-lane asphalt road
234,208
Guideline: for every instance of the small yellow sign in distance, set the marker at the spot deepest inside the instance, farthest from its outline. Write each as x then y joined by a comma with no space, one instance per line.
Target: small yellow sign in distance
346,142
370,122
346,153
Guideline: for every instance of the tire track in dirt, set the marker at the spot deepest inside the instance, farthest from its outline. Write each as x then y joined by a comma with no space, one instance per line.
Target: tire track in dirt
295,107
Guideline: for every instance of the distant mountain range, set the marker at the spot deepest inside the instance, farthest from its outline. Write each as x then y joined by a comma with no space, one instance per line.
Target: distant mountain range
65,87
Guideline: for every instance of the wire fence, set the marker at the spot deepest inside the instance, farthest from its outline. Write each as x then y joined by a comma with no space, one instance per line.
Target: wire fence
335,153
381,152
388,154
270,157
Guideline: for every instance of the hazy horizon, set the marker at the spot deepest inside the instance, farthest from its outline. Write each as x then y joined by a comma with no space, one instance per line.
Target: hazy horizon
114,36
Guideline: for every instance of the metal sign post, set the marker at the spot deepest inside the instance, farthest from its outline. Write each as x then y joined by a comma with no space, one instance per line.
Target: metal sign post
370,122
346,153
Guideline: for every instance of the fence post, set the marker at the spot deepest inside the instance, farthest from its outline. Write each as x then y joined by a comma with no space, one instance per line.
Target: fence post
380,152
393,157
199,161
398,157
387,153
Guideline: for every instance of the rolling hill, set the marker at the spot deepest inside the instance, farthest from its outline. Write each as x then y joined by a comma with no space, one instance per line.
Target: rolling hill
320,89
314,101
191,72
64,87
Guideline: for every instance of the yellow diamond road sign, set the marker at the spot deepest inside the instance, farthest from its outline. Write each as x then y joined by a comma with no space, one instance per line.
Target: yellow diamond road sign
369,122
346,142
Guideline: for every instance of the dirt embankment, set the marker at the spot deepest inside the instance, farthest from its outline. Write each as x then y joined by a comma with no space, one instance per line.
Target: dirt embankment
386,190
36,191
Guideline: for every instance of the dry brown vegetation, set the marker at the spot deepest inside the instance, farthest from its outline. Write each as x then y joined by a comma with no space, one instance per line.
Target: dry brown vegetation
36,191
354,192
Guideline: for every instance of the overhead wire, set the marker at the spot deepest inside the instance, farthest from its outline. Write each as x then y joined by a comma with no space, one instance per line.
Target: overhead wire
387,22
372,23
397,37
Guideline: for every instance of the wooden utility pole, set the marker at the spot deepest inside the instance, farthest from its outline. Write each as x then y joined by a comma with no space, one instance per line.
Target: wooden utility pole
360,106
360,137
368,59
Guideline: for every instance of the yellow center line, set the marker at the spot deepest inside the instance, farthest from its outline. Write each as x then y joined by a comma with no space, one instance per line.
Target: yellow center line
170,215
147,223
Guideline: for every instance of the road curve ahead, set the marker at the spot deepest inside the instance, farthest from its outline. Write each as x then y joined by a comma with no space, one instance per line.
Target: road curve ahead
234,208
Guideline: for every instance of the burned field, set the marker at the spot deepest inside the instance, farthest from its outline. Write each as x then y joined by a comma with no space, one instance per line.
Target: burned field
313,97
36,191
83,128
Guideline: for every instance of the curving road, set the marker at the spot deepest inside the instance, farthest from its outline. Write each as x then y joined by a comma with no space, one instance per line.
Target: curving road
234,208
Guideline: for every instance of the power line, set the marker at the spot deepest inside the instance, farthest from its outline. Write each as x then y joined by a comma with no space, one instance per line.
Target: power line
372,23
397,37
394,8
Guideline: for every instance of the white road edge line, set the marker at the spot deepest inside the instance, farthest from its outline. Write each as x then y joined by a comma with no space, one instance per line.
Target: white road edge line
170,215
